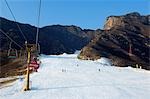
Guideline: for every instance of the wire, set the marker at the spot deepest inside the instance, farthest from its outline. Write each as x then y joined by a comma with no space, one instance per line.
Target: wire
15,20
39,13
10,38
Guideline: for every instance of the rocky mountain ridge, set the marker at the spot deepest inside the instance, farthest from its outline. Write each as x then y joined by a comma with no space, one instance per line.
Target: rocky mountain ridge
125,40
54,39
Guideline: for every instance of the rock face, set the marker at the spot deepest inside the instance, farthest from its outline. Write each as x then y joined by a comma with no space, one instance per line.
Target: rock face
54,39
125,40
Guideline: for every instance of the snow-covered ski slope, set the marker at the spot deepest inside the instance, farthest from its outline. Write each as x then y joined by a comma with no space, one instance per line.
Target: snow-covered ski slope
66,77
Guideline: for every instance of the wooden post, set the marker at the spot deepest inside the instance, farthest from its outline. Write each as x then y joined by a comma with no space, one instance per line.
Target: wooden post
27,87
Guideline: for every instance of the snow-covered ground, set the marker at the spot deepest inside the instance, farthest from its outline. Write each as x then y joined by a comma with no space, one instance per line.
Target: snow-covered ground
66,77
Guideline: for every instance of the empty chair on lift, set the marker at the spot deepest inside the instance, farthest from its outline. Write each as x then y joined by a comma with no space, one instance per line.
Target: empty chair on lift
12,53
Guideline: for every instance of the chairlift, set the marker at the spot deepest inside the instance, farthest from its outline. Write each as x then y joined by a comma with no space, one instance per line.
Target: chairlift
12,53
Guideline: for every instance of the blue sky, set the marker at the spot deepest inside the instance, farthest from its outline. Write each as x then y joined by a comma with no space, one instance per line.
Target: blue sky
88,14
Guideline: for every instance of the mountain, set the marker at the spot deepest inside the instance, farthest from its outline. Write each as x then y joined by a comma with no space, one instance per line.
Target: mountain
54,39
125,40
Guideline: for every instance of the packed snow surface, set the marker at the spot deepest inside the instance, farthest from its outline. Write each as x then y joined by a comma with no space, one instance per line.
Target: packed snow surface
66,77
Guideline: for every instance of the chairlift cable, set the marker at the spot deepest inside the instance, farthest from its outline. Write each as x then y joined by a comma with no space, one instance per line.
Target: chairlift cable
10,38
15,20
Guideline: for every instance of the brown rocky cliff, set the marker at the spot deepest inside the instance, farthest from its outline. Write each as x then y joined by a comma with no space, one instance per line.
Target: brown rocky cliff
113,21
122,33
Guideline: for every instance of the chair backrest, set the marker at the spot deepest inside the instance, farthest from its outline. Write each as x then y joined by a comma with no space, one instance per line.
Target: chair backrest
12,53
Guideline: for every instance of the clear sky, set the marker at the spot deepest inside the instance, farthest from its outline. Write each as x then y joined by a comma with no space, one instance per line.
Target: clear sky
88,14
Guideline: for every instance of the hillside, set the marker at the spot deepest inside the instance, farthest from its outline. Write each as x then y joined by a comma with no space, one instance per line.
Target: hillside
125,40
54,39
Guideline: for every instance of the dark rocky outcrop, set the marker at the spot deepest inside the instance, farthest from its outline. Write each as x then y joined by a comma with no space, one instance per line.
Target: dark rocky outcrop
125,40
54,39
57,39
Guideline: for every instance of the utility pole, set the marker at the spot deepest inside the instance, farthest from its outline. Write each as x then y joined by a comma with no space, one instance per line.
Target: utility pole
26,88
